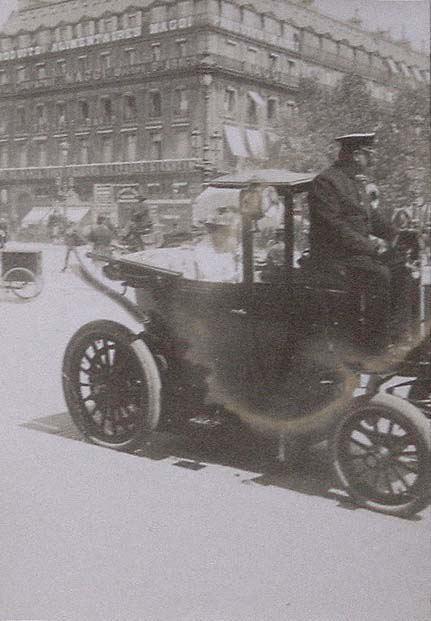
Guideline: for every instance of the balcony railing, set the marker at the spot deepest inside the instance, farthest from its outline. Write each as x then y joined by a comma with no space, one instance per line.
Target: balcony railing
342,63
206,62
107,169
168,65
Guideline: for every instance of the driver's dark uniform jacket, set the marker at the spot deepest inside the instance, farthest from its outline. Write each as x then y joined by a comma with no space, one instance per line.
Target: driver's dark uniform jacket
341,220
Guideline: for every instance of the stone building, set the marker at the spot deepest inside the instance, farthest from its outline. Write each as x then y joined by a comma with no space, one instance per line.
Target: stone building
115,98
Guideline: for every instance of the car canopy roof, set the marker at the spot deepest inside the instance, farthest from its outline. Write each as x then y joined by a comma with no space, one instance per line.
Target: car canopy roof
280,178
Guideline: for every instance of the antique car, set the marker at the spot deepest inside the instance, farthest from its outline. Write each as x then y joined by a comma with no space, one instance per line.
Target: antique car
233,342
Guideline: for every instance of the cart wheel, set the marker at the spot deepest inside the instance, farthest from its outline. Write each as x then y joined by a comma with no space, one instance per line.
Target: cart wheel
111,385
23,282
381,451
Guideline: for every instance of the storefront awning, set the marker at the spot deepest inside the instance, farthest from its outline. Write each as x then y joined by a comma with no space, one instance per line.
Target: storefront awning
392,65
235,141
36,215
258,99
76,214
256,142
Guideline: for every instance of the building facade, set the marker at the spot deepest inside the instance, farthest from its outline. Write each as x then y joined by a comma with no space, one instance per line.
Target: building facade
115,98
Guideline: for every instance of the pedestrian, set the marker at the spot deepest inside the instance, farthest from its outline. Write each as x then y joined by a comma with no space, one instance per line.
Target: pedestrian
341,223
133,235
101,237
72,239
4,231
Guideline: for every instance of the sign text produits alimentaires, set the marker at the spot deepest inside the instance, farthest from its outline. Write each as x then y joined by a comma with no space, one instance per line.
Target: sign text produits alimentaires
96,39
59,46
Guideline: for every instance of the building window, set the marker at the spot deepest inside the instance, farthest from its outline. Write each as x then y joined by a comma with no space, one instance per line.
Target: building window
105,61
181,102
129,57
153,188
155,104
296,42
4,156
21,75
273,61
106,110
272,109
40,117
21,118
230,101
181,48
3,120
62,152
130,144
181,144
106,151
132,21
40,153
3,77
108,24
156,147
155,52
180,188
82,64
60,114
60,67
41,71
129,107
84,29
21,154
83,151
251,109
252,55
290,108
84,111
291,66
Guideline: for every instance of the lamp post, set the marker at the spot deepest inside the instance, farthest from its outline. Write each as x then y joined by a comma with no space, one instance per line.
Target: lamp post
61,179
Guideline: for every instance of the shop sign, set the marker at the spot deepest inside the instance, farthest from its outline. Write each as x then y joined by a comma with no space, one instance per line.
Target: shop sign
171,24
60,46
103,193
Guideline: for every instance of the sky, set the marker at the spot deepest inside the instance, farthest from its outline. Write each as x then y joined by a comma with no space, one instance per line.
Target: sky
393,15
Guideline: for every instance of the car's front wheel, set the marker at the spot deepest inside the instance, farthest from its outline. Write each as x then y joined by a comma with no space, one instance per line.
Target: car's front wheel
111,385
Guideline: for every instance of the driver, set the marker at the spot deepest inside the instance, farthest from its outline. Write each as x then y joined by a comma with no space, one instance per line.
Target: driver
344,228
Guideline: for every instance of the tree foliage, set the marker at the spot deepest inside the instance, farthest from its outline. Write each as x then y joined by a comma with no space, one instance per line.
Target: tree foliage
402,135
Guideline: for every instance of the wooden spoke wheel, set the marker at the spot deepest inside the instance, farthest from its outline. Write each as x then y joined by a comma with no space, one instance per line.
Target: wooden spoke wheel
111,385
381,453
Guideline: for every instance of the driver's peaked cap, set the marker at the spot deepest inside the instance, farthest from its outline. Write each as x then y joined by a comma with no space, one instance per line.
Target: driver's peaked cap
351,142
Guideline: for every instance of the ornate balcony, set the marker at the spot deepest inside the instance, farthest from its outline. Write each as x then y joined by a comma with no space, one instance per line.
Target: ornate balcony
97,170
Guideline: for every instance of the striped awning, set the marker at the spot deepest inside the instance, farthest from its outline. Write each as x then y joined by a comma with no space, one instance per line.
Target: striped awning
256,143
258,99
235,140
76,214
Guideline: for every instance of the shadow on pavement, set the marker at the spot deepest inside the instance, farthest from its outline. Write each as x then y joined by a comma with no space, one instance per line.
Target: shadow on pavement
253,461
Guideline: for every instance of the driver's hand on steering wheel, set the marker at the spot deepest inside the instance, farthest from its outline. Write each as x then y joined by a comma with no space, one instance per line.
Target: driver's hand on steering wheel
380,245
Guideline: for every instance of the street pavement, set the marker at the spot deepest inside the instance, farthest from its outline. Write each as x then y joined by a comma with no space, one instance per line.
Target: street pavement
170,533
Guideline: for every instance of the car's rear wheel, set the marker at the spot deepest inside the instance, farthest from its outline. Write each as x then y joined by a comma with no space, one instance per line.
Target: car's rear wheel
381,452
